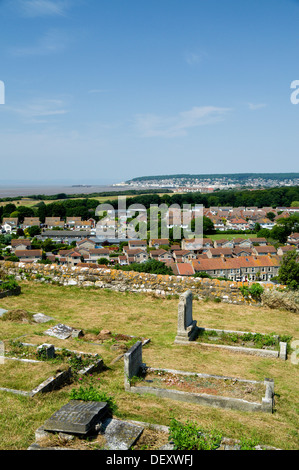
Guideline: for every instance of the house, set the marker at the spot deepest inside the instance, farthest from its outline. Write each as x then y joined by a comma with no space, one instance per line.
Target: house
86,244
157,242
122,260
161,255
9,224
242,242
73,258
71,221
53,222
264,250
192,244
64,236
20,244
30,222
293,239
237,224
239,251
182,269
84,224
218,252
136,255
258,240
223,243
243,268
183,256
282,250
207,243
97,253
29,256
137,244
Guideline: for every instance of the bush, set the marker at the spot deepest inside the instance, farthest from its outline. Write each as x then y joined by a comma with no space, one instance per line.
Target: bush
254,291
8,283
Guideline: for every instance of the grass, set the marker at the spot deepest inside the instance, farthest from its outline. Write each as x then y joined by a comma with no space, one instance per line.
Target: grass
23,375
155,318
230,236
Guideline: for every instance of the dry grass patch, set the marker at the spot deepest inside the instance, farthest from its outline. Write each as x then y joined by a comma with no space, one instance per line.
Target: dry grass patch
24,376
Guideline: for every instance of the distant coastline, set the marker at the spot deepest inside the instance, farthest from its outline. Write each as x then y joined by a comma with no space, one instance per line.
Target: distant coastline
48,190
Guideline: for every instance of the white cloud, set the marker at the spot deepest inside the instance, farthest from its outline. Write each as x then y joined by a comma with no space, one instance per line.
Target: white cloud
52,41
193,58
151,125
254,106
36,8
39,110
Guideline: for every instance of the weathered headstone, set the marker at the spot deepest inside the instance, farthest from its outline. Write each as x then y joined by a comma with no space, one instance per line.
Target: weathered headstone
283,350
47,349
132,362
77,417
187,328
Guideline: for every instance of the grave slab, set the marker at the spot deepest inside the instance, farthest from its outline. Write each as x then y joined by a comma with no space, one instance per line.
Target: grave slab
77,417
41,318
60,331
120,435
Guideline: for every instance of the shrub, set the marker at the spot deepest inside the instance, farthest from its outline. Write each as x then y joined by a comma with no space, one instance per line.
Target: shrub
254,291
92,393
189,436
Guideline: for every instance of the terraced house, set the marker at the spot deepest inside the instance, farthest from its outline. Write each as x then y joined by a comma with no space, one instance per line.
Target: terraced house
243,268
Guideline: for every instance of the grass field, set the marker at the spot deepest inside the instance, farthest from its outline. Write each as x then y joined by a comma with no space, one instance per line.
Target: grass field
230,236
92,310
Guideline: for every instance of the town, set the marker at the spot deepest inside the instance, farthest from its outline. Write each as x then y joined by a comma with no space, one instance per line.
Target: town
236,244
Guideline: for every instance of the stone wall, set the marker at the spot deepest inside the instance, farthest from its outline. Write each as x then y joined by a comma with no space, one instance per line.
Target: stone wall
121,281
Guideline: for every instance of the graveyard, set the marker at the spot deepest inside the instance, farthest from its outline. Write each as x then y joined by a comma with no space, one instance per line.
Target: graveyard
84,337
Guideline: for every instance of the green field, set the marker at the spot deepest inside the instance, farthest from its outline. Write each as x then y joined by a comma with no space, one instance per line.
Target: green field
230,236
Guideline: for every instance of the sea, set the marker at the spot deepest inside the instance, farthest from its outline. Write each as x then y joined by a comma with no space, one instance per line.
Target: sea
49,190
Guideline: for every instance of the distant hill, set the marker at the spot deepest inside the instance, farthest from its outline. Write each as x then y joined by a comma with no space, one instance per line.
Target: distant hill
232,177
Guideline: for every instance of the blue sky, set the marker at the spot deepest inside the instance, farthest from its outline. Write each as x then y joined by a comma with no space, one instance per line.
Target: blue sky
100,91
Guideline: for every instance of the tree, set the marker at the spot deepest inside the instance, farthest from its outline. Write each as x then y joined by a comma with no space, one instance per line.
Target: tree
151,266
288,273
271,216
34,230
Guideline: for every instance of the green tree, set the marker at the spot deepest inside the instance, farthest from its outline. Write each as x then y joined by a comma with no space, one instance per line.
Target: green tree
288,273
34,230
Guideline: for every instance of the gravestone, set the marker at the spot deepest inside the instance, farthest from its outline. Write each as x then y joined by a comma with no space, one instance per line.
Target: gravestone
60,331
132,362
187,329
283,350
77,417
48,349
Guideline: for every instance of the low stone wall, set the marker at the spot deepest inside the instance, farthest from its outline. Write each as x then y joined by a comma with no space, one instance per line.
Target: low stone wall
158,284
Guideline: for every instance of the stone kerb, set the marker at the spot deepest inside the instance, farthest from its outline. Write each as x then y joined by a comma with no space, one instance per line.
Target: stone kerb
133,364
187,328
